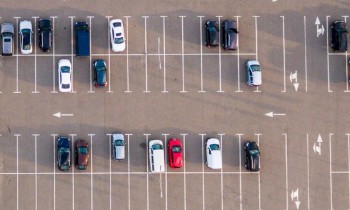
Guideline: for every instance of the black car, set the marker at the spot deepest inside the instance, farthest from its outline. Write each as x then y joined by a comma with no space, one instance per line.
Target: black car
252,160
100,69
64,153
339,36
45,34
229,35
211,33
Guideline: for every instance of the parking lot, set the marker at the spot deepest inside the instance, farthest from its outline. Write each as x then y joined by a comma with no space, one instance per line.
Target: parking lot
167,84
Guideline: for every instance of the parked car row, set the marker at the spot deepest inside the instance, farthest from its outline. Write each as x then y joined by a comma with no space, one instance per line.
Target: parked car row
156,152
45,33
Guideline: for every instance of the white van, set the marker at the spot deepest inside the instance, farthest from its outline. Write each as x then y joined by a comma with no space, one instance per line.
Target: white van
213,152
156,156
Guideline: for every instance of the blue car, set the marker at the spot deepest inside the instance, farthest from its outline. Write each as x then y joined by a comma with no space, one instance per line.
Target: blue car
100,69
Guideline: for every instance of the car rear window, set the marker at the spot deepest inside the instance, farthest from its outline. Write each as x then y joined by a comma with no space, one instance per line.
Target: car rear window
119,143
65,69
157,146
82,150
255,68
7,40
254,152
214,147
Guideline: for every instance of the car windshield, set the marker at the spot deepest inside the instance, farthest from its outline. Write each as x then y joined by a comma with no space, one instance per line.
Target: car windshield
119,142
82,150
118,40
254,152
255,68
65,69
64,157
176,149
157,146
26,39
212,29
100,68
117,24
7,40
214,147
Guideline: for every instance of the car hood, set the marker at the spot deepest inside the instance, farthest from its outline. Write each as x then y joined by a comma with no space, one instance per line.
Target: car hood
256,78
7,27
215,161
83,159
177,159
232,40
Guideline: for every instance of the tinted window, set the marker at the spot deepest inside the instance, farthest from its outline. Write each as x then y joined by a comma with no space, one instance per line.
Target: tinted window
119,143
157,146
7,40
255,67
65,69
118,40
254,152
117,24
214,147
82,150
176,149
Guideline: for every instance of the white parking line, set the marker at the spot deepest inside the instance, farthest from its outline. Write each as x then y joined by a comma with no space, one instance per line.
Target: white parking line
53,55
308,170
110,169
220,77
182,56
221,174
202,135
284,56
328,77
240,169
17,135
286,156
90,66
109,55
72,52
166,169
91,176
146,56
17,90
35,61
127,56
128,145
256,36
54,169
238,60
36,170
201,53
305,52
72,136
164,66
330,160
348,135
258,139
143,173
184,165
147,169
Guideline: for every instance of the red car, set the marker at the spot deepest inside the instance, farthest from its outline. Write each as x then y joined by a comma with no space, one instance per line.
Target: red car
175,153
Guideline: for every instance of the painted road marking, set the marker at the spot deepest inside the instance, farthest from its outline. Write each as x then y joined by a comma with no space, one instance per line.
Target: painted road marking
184,165
35,60
328,77
240,169
90,66
164,61
36,170
109,55
128,146
182,56
127,57
238,60
286,159
259,183
72,52
53,55
284,56
146,56
220,77
91,176
147,166
17,90
110,168
54,169
203,198
72,136
17,136
221,174
201,53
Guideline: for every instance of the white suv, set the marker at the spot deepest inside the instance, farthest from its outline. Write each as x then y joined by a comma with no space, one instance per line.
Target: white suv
156,156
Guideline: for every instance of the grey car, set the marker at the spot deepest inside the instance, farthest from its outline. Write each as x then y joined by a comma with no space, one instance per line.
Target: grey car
7,31
118,146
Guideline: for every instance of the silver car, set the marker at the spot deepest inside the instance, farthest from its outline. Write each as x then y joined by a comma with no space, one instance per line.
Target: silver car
7,31
118,146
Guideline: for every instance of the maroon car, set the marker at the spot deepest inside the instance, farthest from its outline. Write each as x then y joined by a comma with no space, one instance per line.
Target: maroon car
81,154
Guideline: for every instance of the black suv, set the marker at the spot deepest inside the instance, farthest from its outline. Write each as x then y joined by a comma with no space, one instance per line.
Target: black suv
339,36
64,149
45,34
252,152
229,35
211,33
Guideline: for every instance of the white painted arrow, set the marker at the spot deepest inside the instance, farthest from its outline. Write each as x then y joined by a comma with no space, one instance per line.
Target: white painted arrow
319,139
59,115
271,114
297,203
317,22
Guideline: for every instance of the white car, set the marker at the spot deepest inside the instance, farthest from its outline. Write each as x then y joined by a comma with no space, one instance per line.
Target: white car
213,152
25,32
253,73
65,75
117,35
118,146
156,156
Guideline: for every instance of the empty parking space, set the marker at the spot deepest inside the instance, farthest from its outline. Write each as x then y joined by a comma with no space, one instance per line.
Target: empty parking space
120,194
231,192
101,192
63,191
175,191
45,191
212,193
156,189
194,191
138,191
82,182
